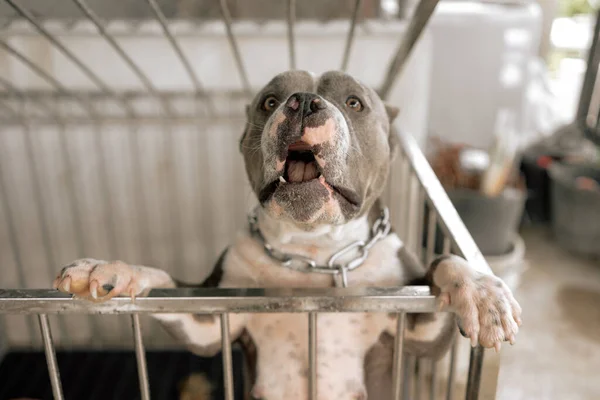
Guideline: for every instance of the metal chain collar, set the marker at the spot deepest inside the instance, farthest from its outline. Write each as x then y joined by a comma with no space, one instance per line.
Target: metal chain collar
380,229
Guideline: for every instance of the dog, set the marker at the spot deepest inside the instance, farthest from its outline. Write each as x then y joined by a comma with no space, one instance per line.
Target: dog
317,152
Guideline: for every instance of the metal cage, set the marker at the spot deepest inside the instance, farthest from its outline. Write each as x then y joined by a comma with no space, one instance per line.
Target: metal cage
48,117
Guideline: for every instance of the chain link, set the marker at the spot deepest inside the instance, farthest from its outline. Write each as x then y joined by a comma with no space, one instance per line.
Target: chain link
380,229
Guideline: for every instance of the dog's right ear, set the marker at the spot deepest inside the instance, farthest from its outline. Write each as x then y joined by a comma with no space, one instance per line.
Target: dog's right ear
245,128
392,112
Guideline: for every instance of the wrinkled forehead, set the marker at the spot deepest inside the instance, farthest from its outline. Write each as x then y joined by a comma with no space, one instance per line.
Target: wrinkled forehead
327,85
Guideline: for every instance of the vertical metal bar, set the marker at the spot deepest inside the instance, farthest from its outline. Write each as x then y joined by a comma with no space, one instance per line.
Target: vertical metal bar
408,209
291,21
452,366
227,363
351,34
420,222
591,72
226,14
91,15
162,20
398,356
70,55
433,382
418,376
140,355
312,356
431,234
409,375
452,370
474,377
51,357
420,18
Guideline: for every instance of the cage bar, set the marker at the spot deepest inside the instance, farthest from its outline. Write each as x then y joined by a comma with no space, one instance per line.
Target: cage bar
140,355
226,353
312,356
162,20
70,55
433,380
45,76
92,17
351,34
474,377
398,355
51,357
239,62
417,23
291,22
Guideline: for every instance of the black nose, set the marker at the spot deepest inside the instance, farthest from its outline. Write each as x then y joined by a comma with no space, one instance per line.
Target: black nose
305,103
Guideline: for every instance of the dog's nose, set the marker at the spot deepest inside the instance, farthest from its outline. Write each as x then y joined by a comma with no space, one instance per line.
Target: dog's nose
305,103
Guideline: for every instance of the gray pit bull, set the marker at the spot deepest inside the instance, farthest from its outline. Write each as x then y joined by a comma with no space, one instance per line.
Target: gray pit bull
317,151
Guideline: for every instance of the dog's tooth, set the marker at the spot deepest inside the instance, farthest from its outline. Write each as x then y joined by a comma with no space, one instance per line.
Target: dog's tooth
282,179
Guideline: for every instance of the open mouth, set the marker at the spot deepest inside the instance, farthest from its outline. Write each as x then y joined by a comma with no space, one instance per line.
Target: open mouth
300,164
302,169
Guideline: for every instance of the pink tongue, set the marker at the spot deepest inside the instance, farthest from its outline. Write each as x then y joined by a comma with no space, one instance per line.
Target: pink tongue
299,171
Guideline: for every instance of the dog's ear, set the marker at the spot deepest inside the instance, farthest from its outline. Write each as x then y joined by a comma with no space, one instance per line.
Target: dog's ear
245,128
392,112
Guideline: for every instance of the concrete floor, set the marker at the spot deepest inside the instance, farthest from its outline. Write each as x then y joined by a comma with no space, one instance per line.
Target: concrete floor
557,354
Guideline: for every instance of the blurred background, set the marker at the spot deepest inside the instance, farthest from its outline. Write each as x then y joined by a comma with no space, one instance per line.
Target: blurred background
116,143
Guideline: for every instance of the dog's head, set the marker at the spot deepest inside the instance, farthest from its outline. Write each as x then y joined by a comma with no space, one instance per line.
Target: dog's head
317,149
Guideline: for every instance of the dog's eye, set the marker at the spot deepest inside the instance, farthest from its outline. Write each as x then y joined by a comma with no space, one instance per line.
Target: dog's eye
270,103
354,103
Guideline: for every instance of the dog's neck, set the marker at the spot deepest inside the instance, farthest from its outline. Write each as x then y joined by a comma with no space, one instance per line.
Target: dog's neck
279,232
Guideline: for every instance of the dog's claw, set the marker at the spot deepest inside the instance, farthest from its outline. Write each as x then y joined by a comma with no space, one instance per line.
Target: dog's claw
444,301
497,347
511,339
94,289
474,340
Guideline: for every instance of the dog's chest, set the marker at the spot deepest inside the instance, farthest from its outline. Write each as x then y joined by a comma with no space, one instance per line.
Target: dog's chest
282,339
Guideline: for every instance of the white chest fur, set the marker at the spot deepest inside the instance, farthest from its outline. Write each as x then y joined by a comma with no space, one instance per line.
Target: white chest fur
282,339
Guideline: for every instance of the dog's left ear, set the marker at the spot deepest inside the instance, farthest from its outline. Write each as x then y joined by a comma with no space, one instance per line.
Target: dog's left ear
245,127
392,112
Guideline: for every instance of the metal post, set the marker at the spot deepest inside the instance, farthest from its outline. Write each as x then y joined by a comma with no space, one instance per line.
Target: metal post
226,14
589,80
51,357
91,15
452,370
474,377
433,382
227,362
70,55
162,20
312,356
420,18
351,34
418,378
140,355
291,21
431,235
398,355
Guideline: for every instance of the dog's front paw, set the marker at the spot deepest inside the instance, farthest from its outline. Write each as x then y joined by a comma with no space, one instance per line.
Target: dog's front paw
487,312
97,280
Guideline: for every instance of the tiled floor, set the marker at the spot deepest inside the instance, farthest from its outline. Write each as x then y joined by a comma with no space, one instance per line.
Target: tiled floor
557,355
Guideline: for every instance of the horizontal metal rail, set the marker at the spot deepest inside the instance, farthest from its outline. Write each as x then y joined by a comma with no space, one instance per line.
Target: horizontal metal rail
410,299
